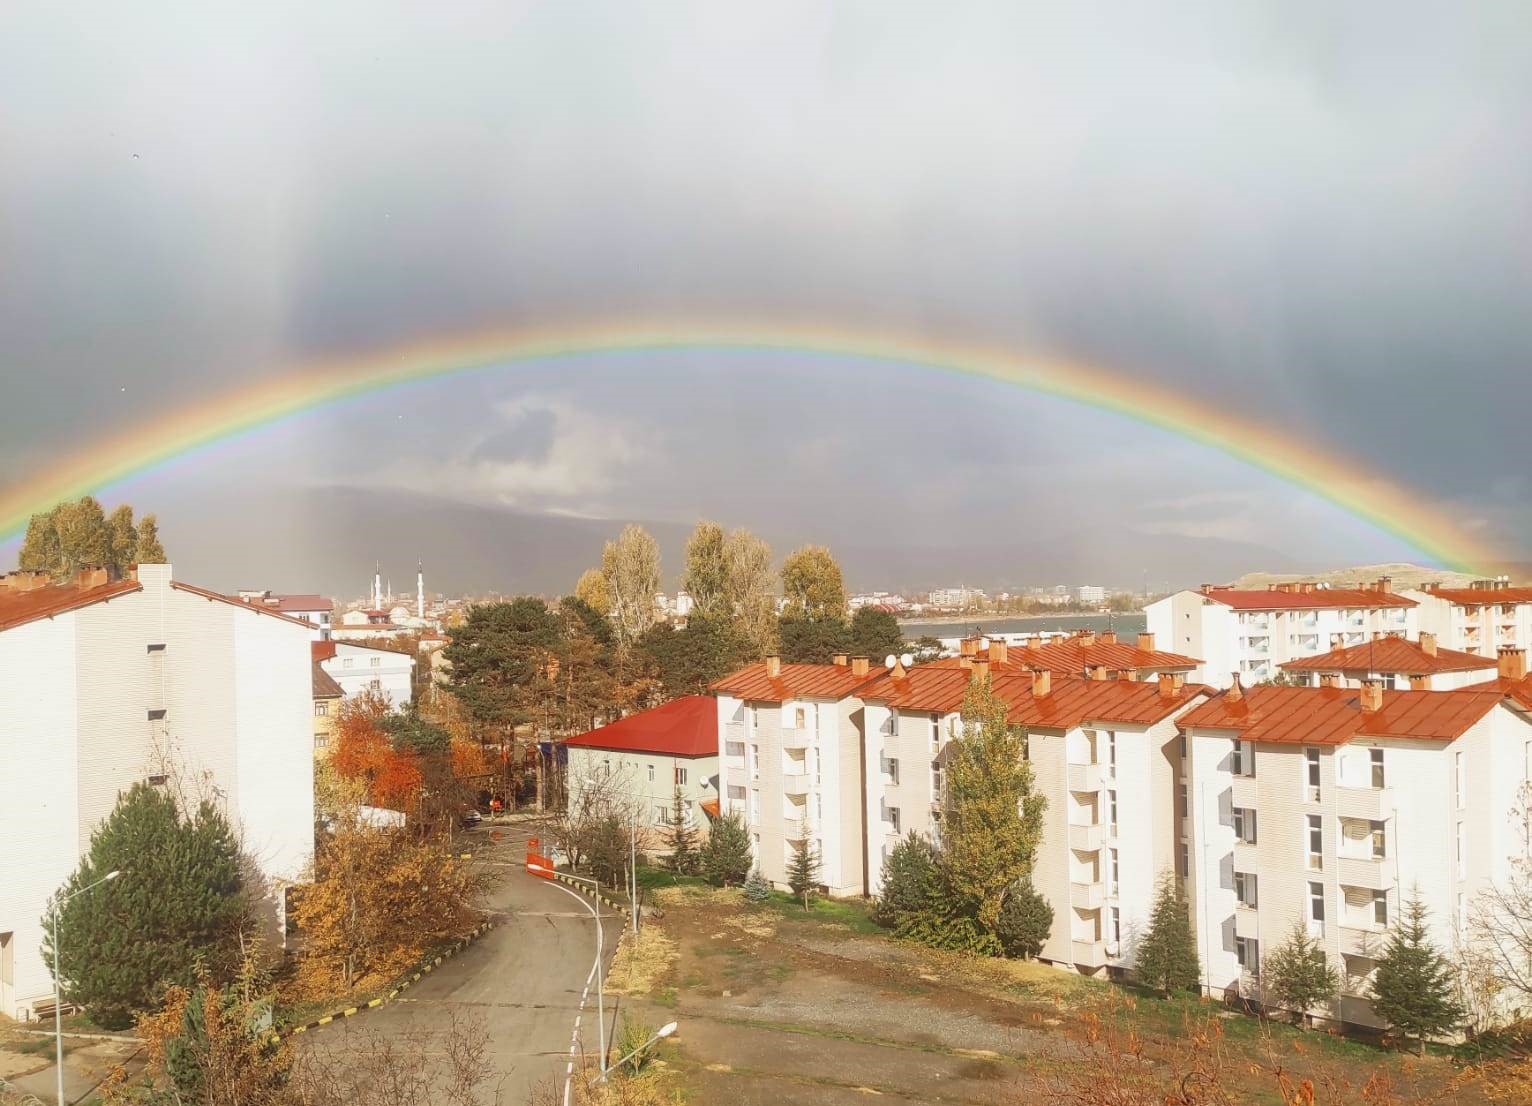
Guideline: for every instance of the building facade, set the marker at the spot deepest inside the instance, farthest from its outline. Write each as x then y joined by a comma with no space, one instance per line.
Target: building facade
1330,807
110,683
1482,618
327,700
1254,632
359,669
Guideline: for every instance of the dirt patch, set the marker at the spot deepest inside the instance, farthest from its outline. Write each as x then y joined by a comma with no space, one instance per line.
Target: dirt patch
642,965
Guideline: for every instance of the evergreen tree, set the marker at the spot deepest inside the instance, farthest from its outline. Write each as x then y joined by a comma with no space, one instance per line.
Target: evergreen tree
912,883
726,853
499,660
682,838
994,817
1025,921
803,871
1167,955
757,888
689,659
1297,974
812,639
1412,986
147,547
178,904
875,634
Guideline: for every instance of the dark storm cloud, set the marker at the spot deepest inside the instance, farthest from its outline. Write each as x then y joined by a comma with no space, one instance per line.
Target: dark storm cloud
1315,214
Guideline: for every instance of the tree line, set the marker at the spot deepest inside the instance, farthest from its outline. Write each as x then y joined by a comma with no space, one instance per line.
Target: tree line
80,534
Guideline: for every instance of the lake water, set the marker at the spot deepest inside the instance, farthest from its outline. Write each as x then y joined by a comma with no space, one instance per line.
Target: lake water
1126,625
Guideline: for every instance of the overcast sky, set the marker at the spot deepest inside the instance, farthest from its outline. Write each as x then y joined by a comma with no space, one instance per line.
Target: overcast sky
1319,214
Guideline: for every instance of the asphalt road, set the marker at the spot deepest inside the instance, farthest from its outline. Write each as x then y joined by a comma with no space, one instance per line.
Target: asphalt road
526,978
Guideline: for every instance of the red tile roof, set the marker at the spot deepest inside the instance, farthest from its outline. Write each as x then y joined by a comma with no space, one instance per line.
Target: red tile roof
685,727
289,603
325,686
793,681
1070,702
321,650
1333,716
1391,654
1319,598
17,608
1481,597
1520,690
234,601
1074,655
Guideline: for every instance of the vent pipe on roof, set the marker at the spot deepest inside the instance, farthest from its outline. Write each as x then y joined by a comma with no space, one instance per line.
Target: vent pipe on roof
839,659
1372,694
1235,692
24,580
1086,637
859,666
1386,585
773,666
1146,642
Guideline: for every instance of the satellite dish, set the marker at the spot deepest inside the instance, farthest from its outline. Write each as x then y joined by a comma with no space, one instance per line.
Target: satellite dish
907,660
888,661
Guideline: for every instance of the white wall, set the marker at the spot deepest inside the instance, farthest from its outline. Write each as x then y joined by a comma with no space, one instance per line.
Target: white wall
356,667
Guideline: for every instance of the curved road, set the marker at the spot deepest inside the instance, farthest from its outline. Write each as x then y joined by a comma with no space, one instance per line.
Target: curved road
525,978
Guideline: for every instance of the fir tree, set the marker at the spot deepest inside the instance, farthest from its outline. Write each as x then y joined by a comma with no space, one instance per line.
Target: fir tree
1412,987
912,883
1167,955
1025,920
681,838
726,852
1297,974
757,887
803,871
180,890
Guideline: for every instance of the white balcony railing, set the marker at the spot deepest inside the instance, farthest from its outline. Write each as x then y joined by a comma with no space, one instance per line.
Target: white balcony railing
1373,873
1087,838
1087,896
1367,804
1089,954
1084,777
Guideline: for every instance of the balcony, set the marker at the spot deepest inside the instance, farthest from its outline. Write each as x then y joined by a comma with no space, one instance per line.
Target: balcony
1245,791
794,738
1084,777
1087,896
1087,838
734,731
1366,941
1089,954
1247,921
795,783
1247,857
1367,804
1370,872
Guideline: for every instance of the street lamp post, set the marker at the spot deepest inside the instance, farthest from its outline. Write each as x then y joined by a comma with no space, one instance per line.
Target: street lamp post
664,1031
600,950
58,998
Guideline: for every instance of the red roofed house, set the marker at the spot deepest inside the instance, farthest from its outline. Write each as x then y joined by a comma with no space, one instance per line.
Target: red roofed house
316,610
1255,631
641,761
1481,618
1333,805
1420,665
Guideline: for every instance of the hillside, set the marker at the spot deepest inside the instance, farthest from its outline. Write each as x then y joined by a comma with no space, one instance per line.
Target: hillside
1402,574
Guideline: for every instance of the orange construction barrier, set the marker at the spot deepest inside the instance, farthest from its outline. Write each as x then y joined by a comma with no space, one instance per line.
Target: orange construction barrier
537,863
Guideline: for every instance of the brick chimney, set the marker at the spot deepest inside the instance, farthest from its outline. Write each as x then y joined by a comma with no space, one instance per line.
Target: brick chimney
1170,685
1098,672
968,647
1109,637
1428,643
1419,682
24,580
1129,674
91,577
1086,638
859,666
773,666
980,669
1513,663
1372,694
1146,642
1042,683
839,659
1235,692
1386,585
997,651
1329,679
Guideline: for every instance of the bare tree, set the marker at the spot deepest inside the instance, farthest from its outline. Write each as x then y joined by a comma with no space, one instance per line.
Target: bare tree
1500,924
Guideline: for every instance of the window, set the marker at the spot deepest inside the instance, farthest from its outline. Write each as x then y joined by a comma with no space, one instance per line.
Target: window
321,708
158,781
893,771
1111,871
1375,758
1244,824
893,819
936,730
755,762
156,714
680,776
1242,759
1181,801
345,662
1316,908
936,782
375,685
1248,951
1111,809
1245,889
1459,783
1462,915
661,816
1380,909
1379,840
321,740
156,647
1114,922
377,662
1311,772
1111,750
1462,849
651,773
800,718
736,793
1316,843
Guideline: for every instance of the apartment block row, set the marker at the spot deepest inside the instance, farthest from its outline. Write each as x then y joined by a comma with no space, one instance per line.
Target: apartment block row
1326,803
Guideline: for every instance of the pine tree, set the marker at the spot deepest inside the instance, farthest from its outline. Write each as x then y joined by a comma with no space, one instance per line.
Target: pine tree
1167,955
912,883
726,853
1412,986
803,871
681,838
1025,921
757,888
1297,974
180,886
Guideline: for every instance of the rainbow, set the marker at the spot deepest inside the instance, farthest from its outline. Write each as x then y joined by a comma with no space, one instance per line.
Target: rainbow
1366,495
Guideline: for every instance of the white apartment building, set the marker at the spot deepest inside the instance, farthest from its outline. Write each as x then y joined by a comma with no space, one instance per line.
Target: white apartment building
316,610
109,683
363,668
644,759
790,751
1486,616
1400,663
1091,593
1334,806
1254,632
1103,753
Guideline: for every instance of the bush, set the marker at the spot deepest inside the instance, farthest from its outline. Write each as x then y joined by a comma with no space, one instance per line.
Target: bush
757,889
912,882
631,1037
726,853
1025,920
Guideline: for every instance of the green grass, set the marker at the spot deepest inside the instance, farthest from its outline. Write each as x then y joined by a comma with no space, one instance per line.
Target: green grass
650,877
853,914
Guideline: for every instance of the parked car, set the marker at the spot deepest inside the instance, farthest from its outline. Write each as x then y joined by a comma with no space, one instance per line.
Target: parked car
471,817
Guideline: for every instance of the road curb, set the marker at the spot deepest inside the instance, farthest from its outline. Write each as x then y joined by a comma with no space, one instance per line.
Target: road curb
584,888
423,970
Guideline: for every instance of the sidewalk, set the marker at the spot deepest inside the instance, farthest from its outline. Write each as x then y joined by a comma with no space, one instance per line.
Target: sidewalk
26,1064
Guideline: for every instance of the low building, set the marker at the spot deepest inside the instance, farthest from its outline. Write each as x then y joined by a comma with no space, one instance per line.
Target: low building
317,610
1332,807
327,698
359,669
1420,665
641,761
108,683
